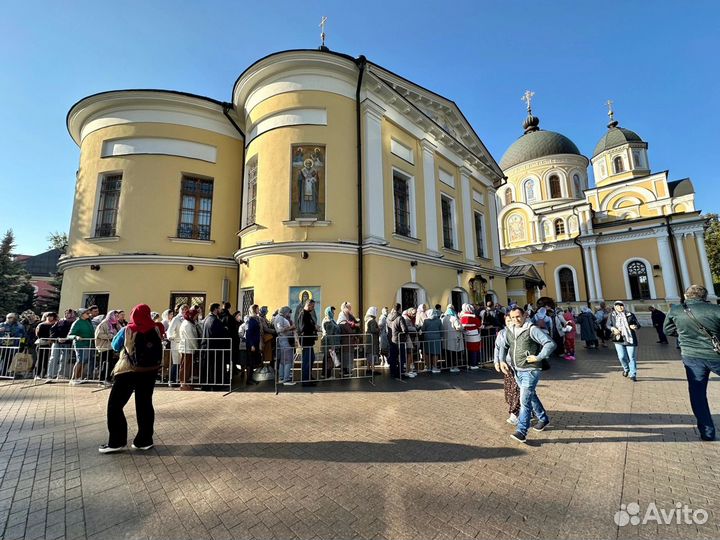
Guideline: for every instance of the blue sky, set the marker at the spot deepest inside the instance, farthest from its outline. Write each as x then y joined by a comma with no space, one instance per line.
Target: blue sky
657,60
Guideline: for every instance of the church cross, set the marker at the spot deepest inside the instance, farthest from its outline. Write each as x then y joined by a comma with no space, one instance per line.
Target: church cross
322,30
611,113
527,98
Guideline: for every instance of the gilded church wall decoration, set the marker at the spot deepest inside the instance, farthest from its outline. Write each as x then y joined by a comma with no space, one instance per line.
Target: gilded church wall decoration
307,186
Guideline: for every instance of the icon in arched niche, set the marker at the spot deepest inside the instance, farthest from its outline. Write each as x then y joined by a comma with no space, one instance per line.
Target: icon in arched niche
516,228
308,182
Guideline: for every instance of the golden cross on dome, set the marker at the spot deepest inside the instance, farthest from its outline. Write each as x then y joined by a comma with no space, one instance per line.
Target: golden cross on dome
611,113
322,30
527,98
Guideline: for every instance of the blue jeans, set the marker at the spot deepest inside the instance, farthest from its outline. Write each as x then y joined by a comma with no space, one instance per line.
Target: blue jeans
285,363
59,353
529,401
627,354
308,359
698,371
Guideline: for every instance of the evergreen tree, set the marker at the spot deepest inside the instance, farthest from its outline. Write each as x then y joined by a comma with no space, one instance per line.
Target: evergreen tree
50,301
16,292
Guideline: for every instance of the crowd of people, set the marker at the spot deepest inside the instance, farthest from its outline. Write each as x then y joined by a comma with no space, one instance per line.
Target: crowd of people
524,339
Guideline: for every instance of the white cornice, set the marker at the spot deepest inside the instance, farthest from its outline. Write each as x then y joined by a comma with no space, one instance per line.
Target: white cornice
294,71
67,263
352,249
146,106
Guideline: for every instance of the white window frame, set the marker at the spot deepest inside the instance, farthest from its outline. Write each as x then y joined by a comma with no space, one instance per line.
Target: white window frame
576,285
536,186
484,231
453,218
96,207
648,269
421,293
563,184
411,203
246,189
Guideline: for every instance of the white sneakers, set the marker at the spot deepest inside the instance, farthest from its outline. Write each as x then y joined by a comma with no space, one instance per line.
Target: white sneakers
454,370
435,371
512,419
411,374
148,447
105,449
474,368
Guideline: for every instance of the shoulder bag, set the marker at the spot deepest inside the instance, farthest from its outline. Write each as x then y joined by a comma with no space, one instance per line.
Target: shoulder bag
713,339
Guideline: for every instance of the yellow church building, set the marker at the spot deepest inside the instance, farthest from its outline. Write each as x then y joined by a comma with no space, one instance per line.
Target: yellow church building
325,176
635,236
331,177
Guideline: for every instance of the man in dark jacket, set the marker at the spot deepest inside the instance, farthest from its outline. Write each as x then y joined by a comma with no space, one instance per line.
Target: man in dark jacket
215,345
307,330
60,350
696,322
658,319
231,325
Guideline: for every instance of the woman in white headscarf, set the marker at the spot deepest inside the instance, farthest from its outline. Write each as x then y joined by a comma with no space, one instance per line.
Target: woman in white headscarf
411,341
432,338
453,338
623,324
384,343
372,337
349,327
104,334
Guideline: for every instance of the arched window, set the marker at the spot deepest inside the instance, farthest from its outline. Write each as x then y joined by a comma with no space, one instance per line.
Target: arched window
529,190
559,227
618,165
508,196
638,277
567,285
555,191
576,182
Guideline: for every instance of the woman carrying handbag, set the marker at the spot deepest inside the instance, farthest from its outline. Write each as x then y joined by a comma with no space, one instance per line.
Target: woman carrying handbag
623,324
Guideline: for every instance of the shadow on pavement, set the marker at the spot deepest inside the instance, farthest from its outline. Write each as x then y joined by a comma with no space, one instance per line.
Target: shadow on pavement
394,451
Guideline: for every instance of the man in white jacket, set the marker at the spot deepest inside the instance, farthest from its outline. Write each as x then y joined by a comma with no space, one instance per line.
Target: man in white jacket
173,334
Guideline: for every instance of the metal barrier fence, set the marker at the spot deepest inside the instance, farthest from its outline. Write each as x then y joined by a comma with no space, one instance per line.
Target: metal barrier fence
193,363
9,348
434,352
329,358
204,363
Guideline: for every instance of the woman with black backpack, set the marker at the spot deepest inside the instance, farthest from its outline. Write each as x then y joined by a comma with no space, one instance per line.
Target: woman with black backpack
140,348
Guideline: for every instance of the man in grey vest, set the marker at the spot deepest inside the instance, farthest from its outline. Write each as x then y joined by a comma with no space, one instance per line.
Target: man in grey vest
527,347
697,323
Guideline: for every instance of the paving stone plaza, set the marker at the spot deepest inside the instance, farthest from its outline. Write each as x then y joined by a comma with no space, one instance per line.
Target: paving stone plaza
430,458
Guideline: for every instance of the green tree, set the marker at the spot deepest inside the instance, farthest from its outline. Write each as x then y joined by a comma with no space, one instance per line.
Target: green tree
16,292
50,301
712,246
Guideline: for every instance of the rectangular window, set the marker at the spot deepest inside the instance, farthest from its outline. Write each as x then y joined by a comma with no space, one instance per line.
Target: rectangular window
447,221
479,235
195,208
191,299
101,300
108,208
401,195
250,205
247,299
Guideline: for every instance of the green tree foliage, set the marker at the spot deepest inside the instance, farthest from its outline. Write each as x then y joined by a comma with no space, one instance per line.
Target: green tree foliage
16,292
712,245
50,301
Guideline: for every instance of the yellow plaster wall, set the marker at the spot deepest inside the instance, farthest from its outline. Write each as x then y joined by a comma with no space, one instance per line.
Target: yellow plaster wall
152,284
149,205
611,258
273,149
